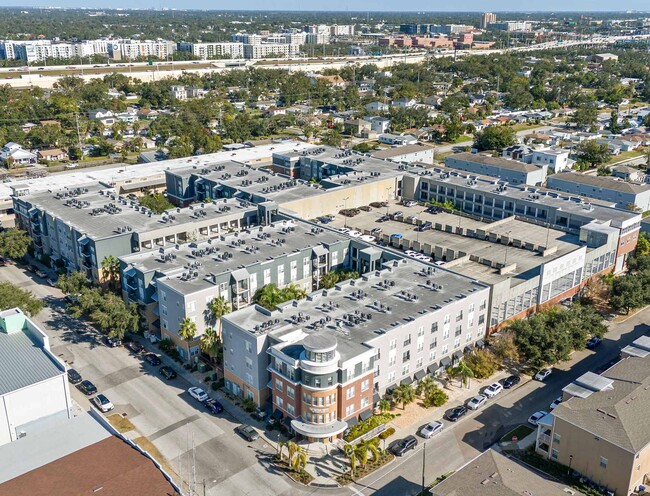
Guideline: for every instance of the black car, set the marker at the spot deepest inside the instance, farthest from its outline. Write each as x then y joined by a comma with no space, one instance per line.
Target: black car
456,413
135,347
383,218
213,405
594,342
87,387
73,376
513,380
167,372
404,445
112,342
152,359
247,432
32,268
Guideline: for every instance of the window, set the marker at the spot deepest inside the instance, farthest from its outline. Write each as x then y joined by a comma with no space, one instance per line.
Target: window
393,344
406,356
349,410
291,392
365,385
445,349
391,376
554,454
249,363
432,356
290,409
279,401
468,338
405,369
306,398
407,341
557,438
249,347
459,330
603,462
364,402
459,316
433,344
321,400
392,358
445,333
349,393
191,306
471,307
483,305
456,342
434,327
317,383
279,385
447,319
481,319
421,331
418,364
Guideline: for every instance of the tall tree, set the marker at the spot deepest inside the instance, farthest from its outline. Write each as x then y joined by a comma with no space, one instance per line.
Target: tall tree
187,329
495,138
111,271
404,394
14,243
218,307
12,296
465,373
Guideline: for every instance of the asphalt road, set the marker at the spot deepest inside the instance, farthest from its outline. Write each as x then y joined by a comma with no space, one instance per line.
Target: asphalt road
229,466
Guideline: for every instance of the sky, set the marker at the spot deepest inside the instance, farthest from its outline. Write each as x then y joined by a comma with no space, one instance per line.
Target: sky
354,5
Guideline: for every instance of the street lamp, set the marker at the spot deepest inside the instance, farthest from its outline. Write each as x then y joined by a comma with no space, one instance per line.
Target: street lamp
345,206
505,258
570,460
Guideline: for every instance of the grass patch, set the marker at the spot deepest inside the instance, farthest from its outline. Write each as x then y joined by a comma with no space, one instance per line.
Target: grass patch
621,157
520,432
361,472
121,424
464,138
149,447
525,127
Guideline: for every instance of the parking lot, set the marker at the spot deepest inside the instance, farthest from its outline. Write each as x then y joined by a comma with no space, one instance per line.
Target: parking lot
161,410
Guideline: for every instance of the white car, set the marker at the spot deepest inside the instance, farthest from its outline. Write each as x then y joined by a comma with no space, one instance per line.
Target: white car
367,238
355,234
431,429
492,390
423,257
536,417
556,402
542,375
410,253
198,394
103,403
477,402
344,230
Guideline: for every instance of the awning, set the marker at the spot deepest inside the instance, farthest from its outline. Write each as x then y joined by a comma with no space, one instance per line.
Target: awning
467,349
390,388
376,398
480,343
130,272
320,250
277,415
458,355
445,362
84,240
156,323
240,274
352,422
432,369
420,374
366,414
407,381
319,431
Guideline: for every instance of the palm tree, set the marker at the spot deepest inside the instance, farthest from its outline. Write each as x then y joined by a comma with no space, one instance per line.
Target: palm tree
464,372
218,307
281,445
111,270
425,386
364,448
299,459
211,343
350,452
187,329
404,394
384,405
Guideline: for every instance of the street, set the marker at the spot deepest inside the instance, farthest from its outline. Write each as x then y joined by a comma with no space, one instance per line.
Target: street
165,413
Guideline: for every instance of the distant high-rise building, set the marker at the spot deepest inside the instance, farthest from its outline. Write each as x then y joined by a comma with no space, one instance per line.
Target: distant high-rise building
487,18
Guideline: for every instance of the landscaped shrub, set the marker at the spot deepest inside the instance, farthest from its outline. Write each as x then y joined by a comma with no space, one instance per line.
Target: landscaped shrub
367,425
387,433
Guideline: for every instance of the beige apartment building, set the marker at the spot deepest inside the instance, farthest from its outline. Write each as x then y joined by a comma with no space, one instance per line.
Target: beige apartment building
601,430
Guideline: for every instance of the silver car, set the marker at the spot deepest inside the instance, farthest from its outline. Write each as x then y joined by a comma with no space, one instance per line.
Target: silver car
431,429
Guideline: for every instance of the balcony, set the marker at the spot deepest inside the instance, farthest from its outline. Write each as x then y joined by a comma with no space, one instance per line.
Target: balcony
544,439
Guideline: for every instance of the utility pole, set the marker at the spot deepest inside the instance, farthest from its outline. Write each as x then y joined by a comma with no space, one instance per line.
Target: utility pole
78,133
424,461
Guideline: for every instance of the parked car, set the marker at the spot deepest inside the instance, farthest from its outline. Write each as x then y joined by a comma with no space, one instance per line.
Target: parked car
103,403
367,238
3,261
594,342
41,274
383,218
477,402
536,417
152,359
395,236
366,208
431,429
511,381
87,387
399,213
31,268
344,230
74,377
555,403
112,342
213,406
376,231
425,226
247,432
404,445
456,413
167,372
492,390
382,204
134,347
198,394
542,375
409,203
355,234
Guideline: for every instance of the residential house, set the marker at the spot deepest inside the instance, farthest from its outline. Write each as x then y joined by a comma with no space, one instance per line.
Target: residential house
13,154
27,127
404,103
523,153
628,173
623,144
52,155
196,92
366,85
542,138
178,92
600,430
397,139
106,117
558,160
377,107
355,127
378,124
147,113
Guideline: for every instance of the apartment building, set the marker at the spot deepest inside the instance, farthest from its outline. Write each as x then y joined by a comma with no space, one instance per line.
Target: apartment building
205,51
178,282
264,50
495,199
486,19
134,49
34,384
325,361
78,227
621,193
512,171
601,430
524,26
